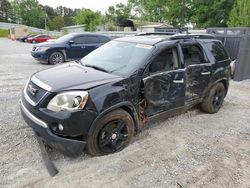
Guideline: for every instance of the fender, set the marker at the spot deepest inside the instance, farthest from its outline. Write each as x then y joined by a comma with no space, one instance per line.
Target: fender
225,82
125,104
64,53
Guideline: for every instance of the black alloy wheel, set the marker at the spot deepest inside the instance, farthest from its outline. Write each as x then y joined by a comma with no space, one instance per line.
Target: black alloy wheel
214,100
113,136
113,132
218,98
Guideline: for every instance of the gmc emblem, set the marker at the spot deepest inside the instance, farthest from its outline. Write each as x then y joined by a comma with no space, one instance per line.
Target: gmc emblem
32,90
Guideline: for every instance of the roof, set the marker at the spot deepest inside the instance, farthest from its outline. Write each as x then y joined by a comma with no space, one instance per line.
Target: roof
154,39
74,26
148,40
86,33
159,25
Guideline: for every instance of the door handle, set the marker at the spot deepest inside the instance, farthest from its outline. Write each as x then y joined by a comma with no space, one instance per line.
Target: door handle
205,73
178,81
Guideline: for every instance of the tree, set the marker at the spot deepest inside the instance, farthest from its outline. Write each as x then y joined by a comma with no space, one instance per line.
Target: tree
240,14
118,13
89,18
175,12
6,12
29,12
212,13
67,14
56,23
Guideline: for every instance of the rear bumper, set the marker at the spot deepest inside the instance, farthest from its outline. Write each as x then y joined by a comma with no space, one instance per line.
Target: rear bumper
67,146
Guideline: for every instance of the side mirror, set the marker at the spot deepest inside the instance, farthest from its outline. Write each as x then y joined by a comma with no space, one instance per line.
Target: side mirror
71,42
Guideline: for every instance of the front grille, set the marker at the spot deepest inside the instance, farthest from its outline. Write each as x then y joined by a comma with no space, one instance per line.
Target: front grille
34,92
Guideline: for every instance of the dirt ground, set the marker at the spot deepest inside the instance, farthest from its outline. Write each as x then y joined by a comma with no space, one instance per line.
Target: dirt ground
194,149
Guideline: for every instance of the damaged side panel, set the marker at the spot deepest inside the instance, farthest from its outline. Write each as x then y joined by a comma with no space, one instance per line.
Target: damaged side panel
164,91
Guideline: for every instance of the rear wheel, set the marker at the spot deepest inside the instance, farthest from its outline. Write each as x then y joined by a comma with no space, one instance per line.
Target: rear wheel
215,98
55,58
113,133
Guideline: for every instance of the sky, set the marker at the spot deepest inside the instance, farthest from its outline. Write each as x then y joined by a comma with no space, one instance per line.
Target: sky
101,5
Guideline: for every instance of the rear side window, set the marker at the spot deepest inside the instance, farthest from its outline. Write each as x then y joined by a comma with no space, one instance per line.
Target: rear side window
91,40
218,50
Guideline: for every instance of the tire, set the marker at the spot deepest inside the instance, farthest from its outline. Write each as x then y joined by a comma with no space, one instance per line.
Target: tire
214,100
55,58
114,132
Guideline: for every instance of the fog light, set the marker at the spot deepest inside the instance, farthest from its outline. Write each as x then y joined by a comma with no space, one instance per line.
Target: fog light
60,127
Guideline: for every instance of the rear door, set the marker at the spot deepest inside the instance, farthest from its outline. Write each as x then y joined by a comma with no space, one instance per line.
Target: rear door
198,70
164,87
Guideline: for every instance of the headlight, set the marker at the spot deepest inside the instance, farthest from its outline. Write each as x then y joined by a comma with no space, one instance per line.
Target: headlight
68,101
42,48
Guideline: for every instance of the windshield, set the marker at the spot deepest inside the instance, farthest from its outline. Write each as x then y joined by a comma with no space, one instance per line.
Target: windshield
121,58
64,38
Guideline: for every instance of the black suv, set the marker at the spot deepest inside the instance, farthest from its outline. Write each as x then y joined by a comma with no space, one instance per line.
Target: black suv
101,102
68,47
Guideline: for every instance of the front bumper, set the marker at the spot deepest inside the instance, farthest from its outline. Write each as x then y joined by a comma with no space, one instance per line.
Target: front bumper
67,146
40,55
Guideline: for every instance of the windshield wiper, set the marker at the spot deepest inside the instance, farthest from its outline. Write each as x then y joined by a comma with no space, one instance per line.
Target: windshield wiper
96,67
118,68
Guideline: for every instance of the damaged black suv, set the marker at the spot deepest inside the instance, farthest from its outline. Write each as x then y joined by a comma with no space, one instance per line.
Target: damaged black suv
98,104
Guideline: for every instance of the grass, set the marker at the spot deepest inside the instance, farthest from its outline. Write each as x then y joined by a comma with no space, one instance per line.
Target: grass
4,32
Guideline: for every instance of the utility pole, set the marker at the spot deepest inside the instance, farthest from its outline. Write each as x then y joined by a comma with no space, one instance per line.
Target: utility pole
45,20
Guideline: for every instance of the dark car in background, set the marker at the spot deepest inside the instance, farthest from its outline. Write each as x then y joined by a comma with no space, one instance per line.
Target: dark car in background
69,47
99,103
38,38
24,38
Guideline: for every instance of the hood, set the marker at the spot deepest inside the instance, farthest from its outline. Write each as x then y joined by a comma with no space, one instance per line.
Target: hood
49,44
73,76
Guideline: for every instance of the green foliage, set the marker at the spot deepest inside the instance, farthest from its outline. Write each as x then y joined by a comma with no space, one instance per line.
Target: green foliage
240,14
89,18
29,12
118,12
212,13
175,12
6,11
4,32
56,23
202,13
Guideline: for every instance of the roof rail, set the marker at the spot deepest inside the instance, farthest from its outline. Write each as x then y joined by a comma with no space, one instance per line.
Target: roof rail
154,33
192,36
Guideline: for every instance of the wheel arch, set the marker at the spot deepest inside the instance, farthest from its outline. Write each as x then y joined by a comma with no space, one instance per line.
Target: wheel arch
225,83
126,106
56,50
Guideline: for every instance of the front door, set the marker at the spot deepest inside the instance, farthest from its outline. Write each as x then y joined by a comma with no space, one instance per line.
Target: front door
164,88
76,50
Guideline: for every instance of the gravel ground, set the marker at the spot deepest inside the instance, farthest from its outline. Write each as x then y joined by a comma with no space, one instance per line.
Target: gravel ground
190,150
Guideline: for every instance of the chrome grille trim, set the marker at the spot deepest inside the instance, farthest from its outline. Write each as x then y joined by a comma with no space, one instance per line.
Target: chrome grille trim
32,117
27,98
40,84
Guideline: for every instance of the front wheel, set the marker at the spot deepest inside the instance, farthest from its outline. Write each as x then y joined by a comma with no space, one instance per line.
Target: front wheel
214,100
113,133
55,58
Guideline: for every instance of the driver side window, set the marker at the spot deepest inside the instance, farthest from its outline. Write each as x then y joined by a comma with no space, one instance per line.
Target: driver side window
79,40
166,60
